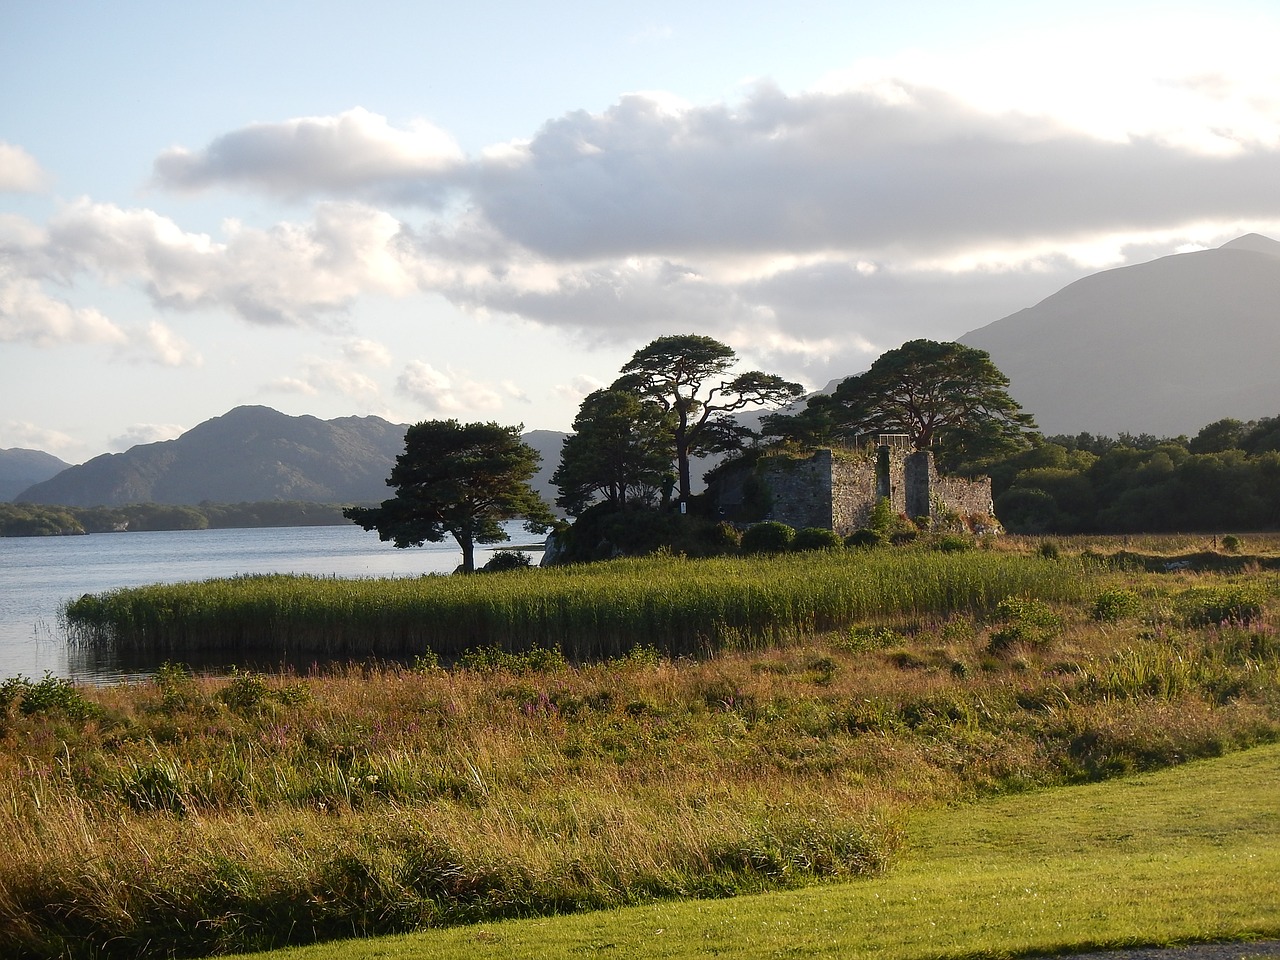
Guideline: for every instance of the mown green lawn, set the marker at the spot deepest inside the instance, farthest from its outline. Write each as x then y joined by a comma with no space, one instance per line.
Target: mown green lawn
1187,854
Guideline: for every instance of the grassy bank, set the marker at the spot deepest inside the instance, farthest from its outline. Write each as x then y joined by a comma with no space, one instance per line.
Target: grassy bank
1182,856
193,815
674,605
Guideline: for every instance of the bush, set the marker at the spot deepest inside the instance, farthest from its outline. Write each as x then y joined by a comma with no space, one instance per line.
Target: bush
1024,620
882,519
953,543
724,537
866,537
1204,606
768,537
1118,604
816,538
1048,549
504,560
1231,543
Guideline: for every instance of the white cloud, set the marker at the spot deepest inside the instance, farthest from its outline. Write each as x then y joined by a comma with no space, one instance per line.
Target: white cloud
367,351
140,433
332,377
156,343
29,436
290,273
922,196
578,387
291,385
355,153
19,171
29,315
447,391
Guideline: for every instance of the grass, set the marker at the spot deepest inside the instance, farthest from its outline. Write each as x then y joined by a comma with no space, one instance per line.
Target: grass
1180,856
675,605
193,815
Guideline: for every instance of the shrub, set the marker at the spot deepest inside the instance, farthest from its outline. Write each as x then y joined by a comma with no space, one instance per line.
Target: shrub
1117,604
883,520
491,659
816,538
1048,549
505,560
1203,606
724,537
1231,543
1024,620
866,537
52,695
953,543
768,537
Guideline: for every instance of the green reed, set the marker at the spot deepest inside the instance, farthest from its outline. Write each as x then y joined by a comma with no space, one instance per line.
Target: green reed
675,605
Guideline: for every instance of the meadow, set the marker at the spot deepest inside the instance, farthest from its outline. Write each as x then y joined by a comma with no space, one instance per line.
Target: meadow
736,727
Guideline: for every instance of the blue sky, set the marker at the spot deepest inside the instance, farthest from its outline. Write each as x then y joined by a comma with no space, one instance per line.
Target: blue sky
422,210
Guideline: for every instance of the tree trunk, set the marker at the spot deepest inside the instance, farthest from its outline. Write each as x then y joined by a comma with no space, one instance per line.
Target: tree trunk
468,554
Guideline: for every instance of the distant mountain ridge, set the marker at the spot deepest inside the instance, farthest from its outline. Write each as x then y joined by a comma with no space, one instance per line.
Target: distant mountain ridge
20,468
1164,347
252,453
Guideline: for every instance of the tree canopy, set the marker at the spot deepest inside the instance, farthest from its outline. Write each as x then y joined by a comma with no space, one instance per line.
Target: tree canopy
620,449
688,376
460,480
928,391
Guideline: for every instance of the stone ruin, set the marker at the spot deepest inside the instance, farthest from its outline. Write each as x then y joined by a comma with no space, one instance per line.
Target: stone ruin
837,489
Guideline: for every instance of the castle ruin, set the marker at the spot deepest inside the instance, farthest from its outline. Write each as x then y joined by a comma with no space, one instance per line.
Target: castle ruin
837,489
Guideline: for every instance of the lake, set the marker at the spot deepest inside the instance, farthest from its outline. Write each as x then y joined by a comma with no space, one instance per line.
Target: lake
38,575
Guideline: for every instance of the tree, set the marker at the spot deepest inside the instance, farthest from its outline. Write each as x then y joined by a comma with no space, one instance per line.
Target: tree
925,388
619,449
457,479
688,376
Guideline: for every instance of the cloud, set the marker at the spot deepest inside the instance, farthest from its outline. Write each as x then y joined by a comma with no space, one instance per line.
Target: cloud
290,273
26,435
917,197
356,153
367,351
19,171
578,387
29,315
447,391
320,375
140,433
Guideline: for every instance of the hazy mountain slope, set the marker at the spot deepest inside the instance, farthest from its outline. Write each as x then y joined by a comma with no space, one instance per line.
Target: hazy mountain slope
547,443
20,468
253,454
1164,347
248,454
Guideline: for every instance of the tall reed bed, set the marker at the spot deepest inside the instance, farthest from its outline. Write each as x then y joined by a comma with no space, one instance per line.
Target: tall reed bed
675,605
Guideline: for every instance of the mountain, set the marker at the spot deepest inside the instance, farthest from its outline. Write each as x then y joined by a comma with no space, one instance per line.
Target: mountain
547,443
1163,347
21,468
252,454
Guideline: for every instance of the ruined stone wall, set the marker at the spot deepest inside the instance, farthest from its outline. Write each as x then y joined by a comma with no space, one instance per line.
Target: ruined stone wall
968,498
838,491
930,495
801,490
854,489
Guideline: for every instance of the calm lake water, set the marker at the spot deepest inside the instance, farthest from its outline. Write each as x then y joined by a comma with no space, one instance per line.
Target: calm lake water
40,574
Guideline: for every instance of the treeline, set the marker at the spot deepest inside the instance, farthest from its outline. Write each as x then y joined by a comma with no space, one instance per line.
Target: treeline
38,520
1227,477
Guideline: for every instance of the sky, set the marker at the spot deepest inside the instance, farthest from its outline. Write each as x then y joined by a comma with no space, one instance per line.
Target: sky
422,210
